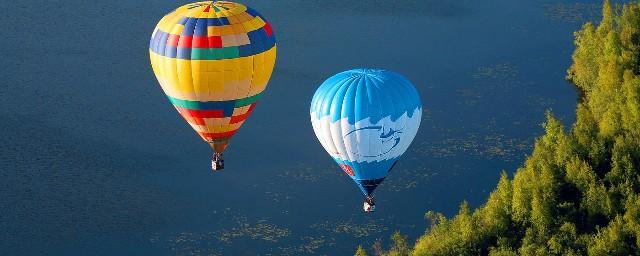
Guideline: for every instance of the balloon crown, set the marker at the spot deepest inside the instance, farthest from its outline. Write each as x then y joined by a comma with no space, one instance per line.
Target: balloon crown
215,6
371,72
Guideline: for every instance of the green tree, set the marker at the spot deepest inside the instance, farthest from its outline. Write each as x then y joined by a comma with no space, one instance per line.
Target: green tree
611,240
361,251
400,245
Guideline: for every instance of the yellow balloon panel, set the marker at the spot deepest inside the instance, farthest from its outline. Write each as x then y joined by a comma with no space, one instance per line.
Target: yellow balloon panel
212,80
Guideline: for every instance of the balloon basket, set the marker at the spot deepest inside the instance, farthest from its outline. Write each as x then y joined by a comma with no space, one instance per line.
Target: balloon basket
217,163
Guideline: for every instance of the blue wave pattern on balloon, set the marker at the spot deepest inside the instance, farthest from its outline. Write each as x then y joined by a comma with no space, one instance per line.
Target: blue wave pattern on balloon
366,119
387,94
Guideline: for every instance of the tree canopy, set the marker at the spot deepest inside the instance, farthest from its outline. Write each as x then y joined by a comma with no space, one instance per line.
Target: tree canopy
578,193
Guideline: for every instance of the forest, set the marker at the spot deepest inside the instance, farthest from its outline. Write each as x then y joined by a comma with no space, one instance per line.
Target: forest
578,192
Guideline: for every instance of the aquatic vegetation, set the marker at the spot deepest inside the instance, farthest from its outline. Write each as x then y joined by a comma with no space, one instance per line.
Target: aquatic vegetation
578,193
572,12
500,71
261,230
309,245
303,172
410,178
543,102
469,97
191,243
489,80
279,190
214,242
489,142
491,145
357,230
277,196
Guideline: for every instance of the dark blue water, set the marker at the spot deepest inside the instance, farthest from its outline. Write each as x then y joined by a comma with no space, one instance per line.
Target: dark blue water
95,161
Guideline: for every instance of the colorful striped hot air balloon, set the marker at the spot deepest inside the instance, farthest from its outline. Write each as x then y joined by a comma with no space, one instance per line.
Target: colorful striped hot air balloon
366,119
213,60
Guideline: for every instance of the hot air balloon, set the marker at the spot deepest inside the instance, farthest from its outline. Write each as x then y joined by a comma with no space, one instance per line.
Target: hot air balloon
213,60
366,119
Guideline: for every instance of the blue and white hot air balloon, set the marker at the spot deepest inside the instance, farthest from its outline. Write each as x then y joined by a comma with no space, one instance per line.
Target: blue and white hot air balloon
366,119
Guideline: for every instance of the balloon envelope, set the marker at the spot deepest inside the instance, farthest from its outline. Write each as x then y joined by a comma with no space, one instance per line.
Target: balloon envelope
366,119
213,60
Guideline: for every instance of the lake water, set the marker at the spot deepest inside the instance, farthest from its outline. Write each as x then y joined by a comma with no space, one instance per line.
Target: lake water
95,161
